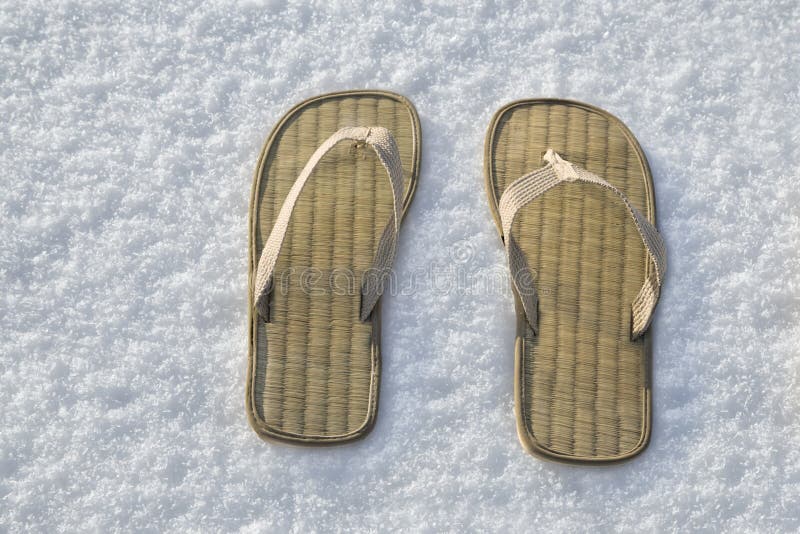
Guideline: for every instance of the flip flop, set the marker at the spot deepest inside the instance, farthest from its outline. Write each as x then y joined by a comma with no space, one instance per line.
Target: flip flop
334,180
571,193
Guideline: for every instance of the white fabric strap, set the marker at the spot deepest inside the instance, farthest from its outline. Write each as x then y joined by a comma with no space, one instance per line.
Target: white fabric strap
382,142
558,171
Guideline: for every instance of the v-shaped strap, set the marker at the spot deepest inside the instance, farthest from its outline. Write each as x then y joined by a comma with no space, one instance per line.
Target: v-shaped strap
529,187
382,142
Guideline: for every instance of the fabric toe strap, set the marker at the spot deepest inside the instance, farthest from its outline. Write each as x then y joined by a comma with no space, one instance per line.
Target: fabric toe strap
383,143
531,186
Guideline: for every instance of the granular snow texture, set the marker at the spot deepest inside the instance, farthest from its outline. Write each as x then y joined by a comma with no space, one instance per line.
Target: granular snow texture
128,138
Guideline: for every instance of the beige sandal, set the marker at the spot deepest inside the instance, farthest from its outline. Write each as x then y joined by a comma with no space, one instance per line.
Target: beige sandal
572,195
319,262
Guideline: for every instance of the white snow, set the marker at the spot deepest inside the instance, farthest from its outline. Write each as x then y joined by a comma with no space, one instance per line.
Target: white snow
128,138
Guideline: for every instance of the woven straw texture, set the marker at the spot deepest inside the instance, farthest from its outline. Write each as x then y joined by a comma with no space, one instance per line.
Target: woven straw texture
315,367
582,387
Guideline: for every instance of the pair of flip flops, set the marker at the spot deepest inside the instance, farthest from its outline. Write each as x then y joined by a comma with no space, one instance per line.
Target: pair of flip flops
572,195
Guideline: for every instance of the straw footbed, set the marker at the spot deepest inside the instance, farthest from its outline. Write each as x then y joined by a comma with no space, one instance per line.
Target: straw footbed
314,368
582,386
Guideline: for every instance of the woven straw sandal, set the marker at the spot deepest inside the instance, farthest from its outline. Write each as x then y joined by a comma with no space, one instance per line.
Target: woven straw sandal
334,180
572,195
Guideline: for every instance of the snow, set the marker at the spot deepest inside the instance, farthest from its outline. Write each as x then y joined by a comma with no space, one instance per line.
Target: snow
128,138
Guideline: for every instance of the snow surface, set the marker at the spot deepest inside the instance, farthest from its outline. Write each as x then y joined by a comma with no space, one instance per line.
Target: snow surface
128,138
